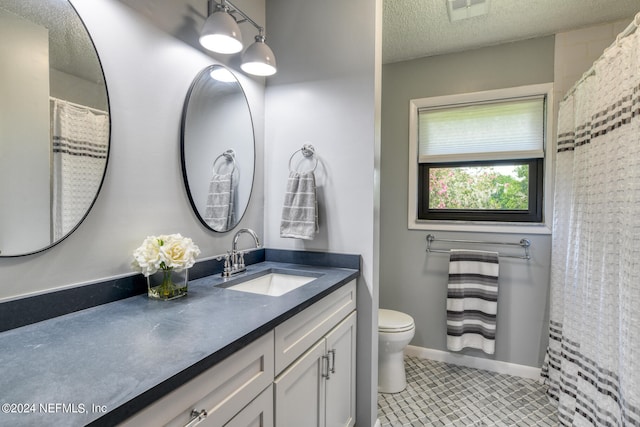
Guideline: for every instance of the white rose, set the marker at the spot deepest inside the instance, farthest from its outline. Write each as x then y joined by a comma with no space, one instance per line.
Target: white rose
148,257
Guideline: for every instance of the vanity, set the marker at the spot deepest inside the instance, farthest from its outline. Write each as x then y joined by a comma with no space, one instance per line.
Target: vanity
219,356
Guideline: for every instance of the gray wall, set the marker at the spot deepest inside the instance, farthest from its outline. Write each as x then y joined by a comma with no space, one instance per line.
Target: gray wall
416,282
325,93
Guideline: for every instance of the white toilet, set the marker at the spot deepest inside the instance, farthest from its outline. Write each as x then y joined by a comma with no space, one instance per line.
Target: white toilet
395,331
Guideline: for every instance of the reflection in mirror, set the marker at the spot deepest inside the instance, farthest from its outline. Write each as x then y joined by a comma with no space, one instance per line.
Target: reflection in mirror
218,152
54,124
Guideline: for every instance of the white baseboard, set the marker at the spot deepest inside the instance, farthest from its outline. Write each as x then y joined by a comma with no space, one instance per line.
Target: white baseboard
474,362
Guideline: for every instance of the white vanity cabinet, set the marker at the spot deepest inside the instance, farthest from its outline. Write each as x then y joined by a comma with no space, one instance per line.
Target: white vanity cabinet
220,393
318,388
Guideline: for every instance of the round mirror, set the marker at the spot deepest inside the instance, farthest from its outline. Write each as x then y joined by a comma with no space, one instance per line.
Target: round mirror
218,152
54,124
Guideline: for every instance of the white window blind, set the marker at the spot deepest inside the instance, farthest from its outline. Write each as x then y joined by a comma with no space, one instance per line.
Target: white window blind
499,130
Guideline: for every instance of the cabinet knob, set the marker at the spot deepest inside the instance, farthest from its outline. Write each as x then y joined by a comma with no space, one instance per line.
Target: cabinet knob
333,360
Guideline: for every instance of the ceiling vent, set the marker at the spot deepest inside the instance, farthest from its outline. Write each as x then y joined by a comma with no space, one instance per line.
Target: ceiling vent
463,9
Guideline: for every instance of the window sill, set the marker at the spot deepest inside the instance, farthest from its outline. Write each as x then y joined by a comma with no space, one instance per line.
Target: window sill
480,227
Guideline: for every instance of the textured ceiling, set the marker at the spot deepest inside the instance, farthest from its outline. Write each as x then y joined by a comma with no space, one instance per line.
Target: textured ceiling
71,49
419,28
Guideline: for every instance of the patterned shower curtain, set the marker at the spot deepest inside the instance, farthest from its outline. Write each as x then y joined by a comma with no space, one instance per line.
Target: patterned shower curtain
80,145
592,365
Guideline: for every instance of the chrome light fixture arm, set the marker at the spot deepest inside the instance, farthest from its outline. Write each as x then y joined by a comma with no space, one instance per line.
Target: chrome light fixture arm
213,5
258,59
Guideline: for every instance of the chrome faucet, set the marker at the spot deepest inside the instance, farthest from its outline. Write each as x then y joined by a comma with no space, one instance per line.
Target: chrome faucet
234,260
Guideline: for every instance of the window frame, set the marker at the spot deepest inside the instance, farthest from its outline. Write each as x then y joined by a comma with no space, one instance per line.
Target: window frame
533,214
540,224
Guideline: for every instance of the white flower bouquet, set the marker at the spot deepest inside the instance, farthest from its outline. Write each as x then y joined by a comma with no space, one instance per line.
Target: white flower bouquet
167,254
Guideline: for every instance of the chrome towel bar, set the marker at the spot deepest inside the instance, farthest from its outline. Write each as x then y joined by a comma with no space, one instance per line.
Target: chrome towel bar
524,244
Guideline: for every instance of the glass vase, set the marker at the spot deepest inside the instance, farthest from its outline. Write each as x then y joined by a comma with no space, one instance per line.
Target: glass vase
167,284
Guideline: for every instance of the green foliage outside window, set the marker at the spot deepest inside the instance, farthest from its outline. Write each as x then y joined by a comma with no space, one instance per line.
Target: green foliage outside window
479,187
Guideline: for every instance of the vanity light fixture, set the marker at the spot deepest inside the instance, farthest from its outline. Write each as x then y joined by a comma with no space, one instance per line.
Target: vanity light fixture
258,59
221,34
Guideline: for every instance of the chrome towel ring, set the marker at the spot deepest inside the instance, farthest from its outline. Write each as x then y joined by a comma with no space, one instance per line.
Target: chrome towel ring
230,156
308,151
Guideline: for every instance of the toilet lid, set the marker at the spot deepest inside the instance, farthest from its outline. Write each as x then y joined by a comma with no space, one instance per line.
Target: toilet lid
394,321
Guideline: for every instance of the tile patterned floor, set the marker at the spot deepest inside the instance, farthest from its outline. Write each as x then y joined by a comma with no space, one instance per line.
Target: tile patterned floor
440,394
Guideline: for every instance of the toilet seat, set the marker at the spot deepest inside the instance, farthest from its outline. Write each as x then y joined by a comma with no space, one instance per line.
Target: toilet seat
390,321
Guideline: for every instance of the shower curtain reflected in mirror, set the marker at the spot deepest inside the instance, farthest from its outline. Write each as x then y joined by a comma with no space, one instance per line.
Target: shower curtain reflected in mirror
592,364
80,138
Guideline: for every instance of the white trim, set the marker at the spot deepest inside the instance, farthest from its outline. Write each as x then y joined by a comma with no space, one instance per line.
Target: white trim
484,96
482,226
498,366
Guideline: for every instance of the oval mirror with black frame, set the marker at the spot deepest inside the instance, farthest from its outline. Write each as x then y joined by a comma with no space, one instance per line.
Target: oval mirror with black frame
54,124
218,148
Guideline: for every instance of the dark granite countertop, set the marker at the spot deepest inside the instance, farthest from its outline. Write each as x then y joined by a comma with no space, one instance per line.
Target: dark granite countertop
100,365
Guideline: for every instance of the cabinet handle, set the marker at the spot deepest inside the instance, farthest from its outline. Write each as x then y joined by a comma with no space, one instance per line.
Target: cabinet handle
333,360
196,418
325,367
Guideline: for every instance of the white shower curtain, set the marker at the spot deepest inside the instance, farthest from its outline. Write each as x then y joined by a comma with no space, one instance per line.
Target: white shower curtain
80,145
592,366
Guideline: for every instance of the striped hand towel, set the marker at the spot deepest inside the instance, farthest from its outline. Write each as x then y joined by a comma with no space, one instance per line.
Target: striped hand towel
472,300
300,210
218,212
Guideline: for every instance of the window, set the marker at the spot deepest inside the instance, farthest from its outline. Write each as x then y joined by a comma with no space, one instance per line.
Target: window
481,156
481,191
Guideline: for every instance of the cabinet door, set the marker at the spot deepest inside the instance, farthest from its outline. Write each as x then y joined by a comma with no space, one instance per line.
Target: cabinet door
300,391
341,384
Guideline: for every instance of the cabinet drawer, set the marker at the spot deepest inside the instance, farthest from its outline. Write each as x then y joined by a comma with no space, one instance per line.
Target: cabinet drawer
258,413
299,333
222,391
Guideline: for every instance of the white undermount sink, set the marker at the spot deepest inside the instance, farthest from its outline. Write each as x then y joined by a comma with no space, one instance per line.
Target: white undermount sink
272,284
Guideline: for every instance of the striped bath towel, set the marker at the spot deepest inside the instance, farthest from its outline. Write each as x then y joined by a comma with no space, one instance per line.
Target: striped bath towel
218,212
472,300
300,210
